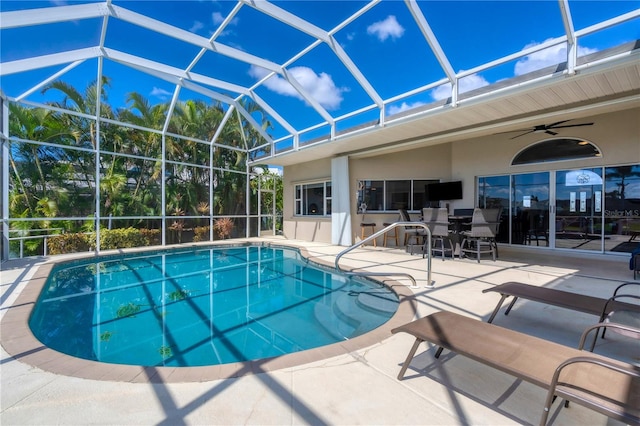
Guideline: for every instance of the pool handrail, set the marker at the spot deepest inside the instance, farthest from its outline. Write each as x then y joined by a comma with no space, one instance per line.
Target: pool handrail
375,235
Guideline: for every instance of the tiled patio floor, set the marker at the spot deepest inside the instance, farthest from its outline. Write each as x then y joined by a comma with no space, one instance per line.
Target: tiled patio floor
355,384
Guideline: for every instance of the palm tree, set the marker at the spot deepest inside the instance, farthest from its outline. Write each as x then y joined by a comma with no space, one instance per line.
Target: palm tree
198,120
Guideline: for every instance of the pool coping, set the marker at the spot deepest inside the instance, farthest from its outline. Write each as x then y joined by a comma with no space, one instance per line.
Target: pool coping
20,343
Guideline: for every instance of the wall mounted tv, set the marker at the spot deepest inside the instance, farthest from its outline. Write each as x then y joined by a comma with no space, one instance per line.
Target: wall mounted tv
443,191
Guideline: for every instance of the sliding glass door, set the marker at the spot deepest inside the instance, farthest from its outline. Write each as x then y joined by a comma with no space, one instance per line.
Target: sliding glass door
530,194
579,212
594,209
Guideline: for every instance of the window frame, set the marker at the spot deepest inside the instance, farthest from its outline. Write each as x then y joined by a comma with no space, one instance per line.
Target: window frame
302,202
365,186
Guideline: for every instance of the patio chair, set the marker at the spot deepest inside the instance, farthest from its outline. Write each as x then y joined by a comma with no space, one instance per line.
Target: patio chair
482,236
438,222
634,262
412,234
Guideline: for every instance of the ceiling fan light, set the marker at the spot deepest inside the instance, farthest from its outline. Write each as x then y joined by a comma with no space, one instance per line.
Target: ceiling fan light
582,143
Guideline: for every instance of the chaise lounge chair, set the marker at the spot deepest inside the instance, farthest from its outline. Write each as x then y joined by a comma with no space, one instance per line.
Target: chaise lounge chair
602,384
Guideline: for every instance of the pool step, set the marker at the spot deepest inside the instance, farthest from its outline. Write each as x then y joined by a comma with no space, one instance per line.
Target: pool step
351,313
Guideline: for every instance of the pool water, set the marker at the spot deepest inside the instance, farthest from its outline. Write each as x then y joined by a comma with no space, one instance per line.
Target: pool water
203,306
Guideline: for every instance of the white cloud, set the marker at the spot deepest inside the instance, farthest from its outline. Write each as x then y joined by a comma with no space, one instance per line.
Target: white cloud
546,57
385,29
319,86
160,93
197,26
395,109
217,18
465,84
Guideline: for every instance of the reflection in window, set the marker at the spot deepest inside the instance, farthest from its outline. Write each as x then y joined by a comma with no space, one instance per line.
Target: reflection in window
530,204
419,196
622,204
391,195
397,194
313,199
556,150
493,192
370,195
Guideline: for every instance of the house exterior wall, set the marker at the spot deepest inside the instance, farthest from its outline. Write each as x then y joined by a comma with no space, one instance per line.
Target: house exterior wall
617,135
309,228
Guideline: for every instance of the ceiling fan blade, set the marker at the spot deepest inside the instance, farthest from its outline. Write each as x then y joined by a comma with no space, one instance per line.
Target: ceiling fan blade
550,132
522,134
513,131
570,125
555,124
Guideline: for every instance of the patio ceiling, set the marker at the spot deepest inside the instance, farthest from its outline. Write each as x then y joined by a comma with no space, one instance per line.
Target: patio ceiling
578,86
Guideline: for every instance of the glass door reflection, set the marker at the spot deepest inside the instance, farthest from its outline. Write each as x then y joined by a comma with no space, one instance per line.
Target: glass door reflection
578,219
530,209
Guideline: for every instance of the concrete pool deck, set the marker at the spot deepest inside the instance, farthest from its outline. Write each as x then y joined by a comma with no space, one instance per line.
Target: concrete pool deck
352,384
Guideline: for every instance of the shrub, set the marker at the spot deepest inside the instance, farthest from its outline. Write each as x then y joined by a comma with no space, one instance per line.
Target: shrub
151,236
121,238
223,227
69,243
201,233
109,239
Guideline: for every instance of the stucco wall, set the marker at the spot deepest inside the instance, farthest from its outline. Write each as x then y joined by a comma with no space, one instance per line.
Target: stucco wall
432,162
616,134
305,228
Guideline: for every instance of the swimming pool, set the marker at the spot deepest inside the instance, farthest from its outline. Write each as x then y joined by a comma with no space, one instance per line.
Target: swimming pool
203,306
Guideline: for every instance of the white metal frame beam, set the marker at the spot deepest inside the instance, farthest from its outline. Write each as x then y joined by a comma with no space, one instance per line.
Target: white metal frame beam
321,35
431,38
572,45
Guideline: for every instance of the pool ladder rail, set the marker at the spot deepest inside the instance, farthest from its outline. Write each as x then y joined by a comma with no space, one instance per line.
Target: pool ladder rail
430,283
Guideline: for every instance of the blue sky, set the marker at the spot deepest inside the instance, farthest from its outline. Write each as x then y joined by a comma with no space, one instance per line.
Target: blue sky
384,43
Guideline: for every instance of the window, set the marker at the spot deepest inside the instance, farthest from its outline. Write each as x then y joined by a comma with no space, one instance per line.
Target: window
622,204
313,199
556,150
391,195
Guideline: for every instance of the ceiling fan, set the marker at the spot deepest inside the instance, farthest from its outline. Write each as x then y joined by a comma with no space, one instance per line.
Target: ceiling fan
546,128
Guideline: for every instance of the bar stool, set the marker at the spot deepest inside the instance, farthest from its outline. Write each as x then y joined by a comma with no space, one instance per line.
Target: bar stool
365,225
388,235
